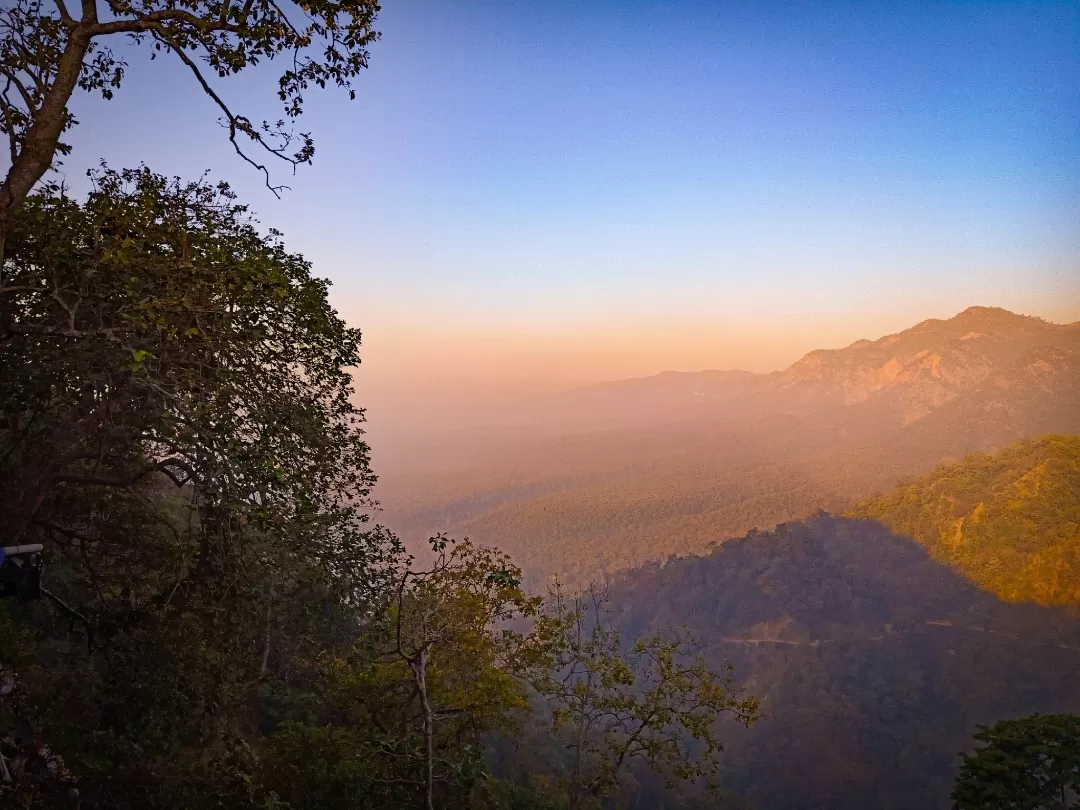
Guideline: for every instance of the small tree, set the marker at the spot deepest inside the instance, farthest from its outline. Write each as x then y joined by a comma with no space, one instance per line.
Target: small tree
1032,763
48,51
458,610
654,702
406,717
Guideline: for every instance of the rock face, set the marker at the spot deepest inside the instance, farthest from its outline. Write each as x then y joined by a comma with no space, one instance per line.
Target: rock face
904,377
916,371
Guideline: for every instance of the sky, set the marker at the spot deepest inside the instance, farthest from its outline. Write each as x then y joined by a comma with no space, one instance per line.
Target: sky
530,196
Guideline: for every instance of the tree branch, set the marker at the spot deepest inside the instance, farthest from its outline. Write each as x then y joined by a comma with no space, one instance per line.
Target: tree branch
235,123
9,330
28,100
70,611
148,23
65,15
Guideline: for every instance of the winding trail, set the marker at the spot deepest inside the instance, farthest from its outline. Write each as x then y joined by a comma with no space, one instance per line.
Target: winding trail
932,622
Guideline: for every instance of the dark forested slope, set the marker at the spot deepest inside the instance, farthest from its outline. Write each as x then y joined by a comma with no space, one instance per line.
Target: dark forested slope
873,661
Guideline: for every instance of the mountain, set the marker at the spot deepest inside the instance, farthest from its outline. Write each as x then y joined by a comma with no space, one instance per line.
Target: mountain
917,371
667,464
1010,522
873,661
910,373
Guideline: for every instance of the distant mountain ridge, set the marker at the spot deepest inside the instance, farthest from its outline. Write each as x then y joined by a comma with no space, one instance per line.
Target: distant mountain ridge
916,370
667,464
934,362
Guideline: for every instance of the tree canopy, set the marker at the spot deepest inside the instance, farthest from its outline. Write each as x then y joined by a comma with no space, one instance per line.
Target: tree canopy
154,335
176,428
1031,763
49,51
1009,521
222,626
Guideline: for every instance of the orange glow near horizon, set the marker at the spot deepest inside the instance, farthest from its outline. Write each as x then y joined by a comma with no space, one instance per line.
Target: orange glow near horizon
418,378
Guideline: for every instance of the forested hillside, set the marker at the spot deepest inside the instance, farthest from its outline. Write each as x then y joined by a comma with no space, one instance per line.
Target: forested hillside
1010,522
872,661
875,656
704,457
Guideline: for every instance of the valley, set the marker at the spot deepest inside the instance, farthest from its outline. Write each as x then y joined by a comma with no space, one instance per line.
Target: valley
617,474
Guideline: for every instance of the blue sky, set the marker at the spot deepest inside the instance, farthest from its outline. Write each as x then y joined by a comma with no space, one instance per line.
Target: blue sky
545,172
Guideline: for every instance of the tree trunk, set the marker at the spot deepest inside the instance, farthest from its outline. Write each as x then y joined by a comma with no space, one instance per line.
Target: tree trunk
42,137
419,668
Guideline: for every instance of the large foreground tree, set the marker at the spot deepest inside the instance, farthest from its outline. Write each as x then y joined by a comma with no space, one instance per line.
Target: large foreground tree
221,627
176,428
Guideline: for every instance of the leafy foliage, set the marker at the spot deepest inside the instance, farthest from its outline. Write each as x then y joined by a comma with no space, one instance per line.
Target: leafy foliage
221,626
177,429
652,703
1009,521
153,336
404,713
1032,763
47,53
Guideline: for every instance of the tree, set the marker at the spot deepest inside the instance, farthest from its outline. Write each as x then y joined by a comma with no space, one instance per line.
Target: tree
458,608
154,335
47,53
1032,763
406,713
654,702
176,428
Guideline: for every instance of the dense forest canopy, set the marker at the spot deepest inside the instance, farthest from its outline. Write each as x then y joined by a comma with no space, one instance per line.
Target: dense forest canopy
177,431
873,662
1009,521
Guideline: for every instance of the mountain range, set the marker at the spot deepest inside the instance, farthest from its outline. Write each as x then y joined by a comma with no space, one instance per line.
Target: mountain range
616,474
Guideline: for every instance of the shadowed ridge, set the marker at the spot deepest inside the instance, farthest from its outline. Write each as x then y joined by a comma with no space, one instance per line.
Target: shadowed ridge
873,662
826,574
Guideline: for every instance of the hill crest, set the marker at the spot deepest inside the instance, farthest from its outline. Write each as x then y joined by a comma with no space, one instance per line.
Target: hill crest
909,373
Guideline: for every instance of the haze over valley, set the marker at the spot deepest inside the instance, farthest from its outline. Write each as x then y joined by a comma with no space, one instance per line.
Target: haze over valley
615,474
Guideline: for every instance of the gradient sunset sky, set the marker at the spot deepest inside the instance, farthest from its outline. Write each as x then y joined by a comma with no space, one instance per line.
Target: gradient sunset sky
532,195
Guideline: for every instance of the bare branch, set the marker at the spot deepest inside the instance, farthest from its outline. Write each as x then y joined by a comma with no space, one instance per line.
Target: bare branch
13,78
235,123
73,613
